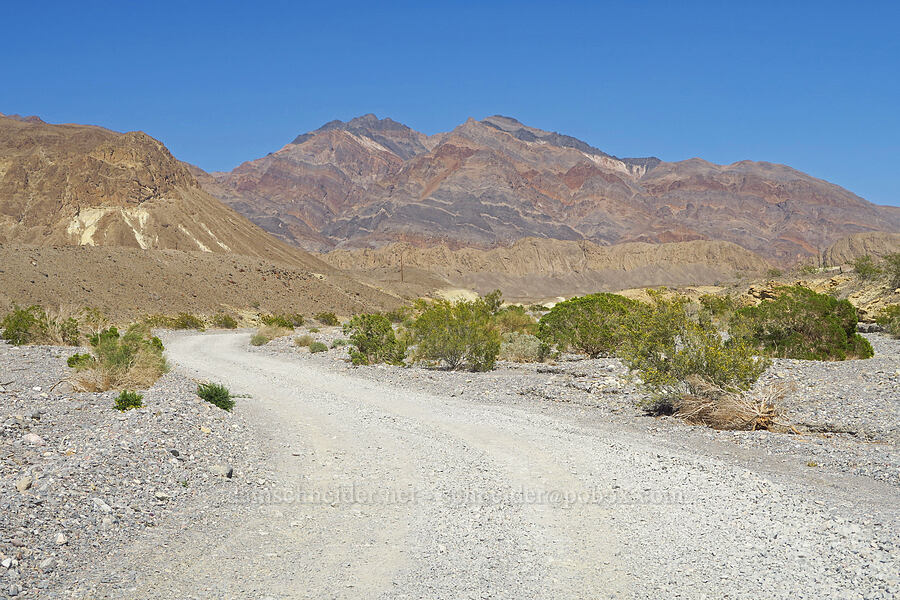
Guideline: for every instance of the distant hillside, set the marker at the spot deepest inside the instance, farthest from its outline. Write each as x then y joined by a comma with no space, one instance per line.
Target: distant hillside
875,244
370,182
538,268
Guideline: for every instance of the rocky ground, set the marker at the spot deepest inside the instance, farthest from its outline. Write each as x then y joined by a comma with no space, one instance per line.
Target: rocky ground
79,479
88,494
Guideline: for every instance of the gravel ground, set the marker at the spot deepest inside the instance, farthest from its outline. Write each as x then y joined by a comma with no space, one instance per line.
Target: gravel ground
528,481
848,412
78,479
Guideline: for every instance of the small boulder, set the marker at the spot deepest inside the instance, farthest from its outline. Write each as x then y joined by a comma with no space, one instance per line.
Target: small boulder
222,471
61,539
24,483
48,564
33,438
161,496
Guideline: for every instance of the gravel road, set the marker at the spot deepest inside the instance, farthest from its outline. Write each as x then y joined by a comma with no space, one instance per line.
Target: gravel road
378,490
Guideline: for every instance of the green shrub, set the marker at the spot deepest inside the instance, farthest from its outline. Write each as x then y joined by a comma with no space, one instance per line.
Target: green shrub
493,301
456,335
891,268
216,394
399,315
119,361
282,321
33,325
128,400
372,340
187,321
522,347
673,353
589,325
865,267
223,321
514,318
316,347
23,325
890,319
807,269
339,343
774,273
304,340
314,330
327,318
800,323
258,339
80,361
538,308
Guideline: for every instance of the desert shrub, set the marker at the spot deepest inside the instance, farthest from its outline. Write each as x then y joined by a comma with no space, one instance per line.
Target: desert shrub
538,308
800,323
267,333
327,318
224,321
372,340
671,352
216,394
399,315
282,321
514,318
717,306
339,343
118,361
890,319
456,335
891,268
304,340
33,325
589,325
316,347
493,301
128,400
23,325
865,267
774,273
710,405
807,269
80,361
314,330
179,321
522,347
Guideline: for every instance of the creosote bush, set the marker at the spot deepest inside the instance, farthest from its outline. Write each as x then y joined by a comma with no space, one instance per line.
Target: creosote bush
216,394
282,321
891,268
33,325
317,347
865,268
456,335
258,339
514,318
671,351
890,319
522,347
372,340
118,361
800,323
128,400
266,334
224,321
589,325
327,318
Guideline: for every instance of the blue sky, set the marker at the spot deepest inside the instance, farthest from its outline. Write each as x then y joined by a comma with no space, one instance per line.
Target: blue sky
815,85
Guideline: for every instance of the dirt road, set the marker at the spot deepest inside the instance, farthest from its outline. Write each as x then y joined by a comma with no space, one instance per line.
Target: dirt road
392,492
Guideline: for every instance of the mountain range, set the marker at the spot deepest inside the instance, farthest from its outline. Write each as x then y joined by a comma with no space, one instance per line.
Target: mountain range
369,182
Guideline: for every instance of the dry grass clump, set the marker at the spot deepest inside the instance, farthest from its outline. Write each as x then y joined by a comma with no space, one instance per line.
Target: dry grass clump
304,340
710,405
267,333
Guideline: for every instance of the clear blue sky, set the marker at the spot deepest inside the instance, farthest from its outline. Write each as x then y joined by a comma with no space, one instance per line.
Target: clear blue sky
815,85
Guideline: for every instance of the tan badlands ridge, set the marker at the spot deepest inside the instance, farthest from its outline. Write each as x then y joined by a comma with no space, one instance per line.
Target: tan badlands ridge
532,268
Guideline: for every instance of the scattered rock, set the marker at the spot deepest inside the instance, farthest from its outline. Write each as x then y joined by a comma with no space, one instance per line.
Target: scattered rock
161,496
61,539
14,590
24,483
33,438
222,471
102,506
48,564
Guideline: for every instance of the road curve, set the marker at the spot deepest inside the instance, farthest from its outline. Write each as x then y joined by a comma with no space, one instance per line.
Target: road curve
383,492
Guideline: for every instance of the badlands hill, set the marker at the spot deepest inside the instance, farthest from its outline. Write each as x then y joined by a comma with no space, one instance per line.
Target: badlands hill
875,244
535,269
370,182
65,189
